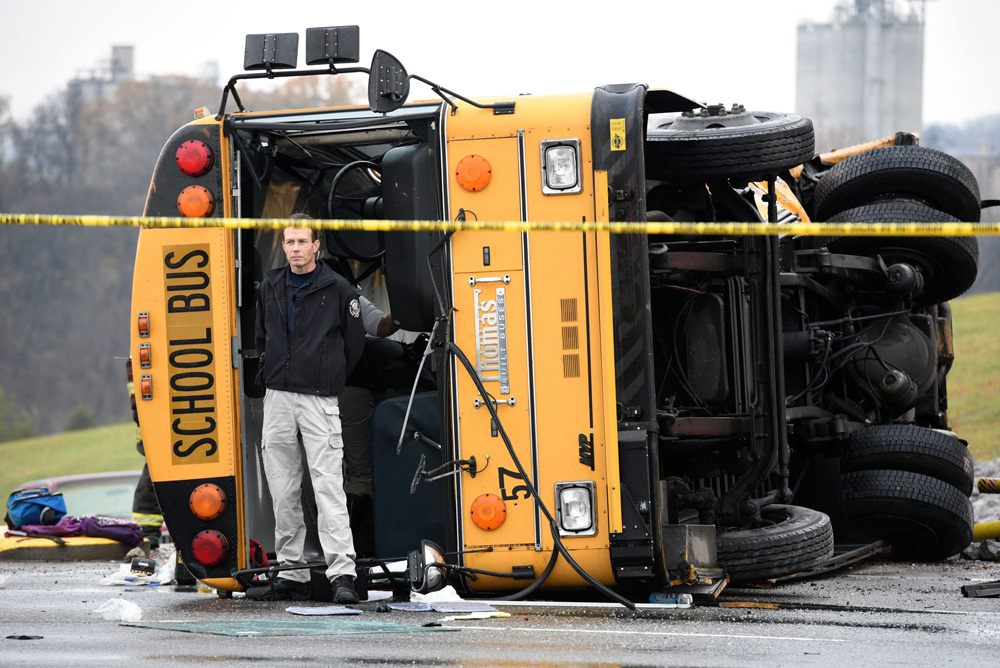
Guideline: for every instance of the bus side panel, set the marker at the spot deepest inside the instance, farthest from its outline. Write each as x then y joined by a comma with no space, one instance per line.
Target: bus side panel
546,285
188,413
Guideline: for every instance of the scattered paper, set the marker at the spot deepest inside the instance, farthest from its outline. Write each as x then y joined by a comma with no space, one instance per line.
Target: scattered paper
378,595
412,606
462,606
323,610
163,575
475,615
448,593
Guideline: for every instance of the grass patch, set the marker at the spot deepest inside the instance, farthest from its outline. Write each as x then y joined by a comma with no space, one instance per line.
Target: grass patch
87,451
974,380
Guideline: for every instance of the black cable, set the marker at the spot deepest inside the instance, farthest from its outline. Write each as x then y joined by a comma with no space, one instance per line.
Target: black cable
527,591
430,270
823,373
848,318
531,486
560,549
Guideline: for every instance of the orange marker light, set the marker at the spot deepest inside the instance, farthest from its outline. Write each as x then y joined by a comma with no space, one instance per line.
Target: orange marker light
207,501
196,202
144,355
474,172
146,386
142,324
488,512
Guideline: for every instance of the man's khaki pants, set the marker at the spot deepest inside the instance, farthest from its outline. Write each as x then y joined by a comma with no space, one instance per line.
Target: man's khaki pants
318,420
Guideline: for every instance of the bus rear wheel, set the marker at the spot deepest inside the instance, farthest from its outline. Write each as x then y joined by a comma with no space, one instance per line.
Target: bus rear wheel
949,264
921,518
907,447
794,539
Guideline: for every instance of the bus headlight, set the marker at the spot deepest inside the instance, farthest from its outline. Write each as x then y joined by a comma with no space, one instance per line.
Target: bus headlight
576,511
561,166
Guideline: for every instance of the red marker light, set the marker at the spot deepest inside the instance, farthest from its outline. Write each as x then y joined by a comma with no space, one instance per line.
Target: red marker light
194,158
210,547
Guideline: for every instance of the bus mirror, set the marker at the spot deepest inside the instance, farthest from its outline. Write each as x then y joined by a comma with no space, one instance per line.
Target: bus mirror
388,83
275,51
328,46
424,568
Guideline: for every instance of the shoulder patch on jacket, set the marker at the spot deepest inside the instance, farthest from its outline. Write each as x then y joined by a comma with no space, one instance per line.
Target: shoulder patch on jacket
354,308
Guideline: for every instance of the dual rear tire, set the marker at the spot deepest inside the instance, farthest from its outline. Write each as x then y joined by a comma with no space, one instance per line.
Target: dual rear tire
905,184
909,487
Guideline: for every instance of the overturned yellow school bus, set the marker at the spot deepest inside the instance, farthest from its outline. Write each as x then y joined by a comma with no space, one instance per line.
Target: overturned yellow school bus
627,411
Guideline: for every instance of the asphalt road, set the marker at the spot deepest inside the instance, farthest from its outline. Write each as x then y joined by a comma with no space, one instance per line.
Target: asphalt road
872,614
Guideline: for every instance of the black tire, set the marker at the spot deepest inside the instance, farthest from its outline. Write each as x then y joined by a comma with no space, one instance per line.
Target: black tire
899,172
949,264
920,517
905,447
797,540
684,150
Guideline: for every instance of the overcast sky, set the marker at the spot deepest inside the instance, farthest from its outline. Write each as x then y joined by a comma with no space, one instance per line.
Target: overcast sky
716,51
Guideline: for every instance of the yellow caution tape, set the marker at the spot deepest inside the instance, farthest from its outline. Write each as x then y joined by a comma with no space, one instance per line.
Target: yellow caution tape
902,229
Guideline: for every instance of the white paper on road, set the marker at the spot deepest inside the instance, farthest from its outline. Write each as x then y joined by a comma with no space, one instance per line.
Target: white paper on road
323,610
120,610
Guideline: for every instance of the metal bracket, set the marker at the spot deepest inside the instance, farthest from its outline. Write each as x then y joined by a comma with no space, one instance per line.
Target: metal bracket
420,437
492,279
467,465
477,402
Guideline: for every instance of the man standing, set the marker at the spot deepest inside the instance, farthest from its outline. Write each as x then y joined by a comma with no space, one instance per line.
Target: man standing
310,336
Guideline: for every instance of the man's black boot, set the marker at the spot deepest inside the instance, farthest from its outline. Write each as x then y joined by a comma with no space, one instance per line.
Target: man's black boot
343,590
283,589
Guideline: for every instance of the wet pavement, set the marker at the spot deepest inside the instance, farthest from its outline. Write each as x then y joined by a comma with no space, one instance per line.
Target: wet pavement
875,613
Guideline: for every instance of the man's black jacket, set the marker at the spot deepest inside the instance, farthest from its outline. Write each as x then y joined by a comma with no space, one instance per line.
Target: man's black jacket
329,336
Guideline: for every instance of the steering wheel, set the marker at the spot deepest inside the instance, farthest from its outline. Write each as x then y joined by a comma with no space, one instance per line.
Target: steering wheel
353,202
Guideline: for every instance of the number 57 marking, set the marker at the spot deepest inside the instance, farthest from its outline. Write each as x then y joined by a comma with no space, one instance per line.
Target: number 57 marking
512,496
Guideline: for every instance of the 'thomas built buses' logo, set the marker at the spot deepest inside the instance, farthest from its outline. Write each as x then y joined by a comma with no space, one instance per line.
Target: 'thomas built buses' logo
491,338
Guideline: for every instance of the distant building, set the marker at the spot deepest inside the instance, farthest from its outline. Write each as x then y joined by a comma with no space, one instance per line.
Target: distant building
860,77
101,83
209,73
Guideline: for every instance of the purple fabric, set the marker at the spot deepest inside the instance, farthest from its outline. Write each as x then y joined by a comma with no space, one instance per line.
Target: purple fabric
66,526
108,527
95,527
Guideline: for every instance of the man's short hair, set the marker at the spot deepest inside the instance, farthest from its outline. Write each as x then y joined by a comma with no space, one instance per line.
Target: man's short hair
301,216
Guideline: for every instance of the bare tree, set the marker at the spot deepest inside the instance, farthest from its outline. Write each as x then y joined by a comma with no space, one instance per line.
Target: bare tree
67,290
